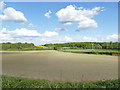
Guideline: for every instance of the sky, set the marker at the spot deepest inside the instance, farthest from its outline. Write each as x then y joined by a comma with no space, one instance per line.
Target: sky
58,22
62,0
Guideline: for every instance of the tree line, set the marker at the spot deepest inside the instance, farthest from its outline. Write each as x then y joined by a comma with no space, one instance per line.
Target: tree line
16,46
86,45
71,45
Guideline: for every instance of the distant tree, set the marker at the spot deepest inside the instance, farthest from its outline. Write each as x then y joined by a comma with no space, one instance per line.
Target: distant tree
55,48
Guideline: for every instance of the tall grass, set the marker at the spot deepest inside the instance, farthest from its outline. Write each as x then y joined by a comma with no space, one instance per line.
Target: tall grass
18,82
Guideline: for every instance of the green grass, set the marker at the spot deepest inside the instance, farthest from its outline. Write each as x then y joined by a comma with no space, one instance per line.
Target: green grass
93,51
28,49
18,82
87,51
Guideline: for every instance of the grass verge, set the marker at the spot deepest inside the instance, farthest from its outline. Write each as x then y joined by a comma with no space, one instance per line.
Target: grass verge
18,82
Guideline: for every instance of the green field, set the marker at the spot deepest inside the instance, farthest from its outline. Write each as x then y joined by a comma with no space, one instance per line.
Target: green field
115,50
12,82
94,51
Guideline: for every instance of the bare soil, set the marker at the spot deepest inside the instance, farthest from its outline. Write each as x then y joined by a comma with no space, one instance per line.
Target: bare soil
59,66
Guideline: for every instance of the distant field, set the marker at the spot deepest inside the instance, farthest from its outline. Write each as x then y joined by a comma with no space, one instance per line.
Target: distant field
94,51
115,50
59,66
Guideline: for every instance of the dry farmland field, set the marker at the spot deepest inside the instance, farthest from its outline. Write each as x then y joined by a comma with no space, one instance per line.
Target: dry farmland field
59,66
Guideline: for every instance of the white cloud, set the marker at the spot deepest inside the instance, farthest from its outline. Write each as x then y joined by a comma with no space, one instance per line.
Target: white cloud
67,23
22,33
60,29
10,14
4,35
68,39
50,34
47,14
86,24
89,39
25,35
31,25
80,15
2,5
65,39
18,33
111,37
47,40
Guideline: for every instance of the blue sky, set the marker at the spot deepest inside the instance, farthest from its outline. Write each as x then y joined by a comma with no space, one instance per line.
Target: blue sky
102,25
61,0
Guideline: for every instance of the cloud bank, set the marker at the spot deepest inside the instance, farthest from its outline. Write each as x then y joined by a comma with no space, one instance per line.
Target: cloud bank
23,32
34,36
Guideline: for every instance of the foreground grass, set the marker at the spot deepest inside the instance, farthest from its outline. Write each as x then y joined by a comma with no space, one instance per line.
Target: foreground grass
18,82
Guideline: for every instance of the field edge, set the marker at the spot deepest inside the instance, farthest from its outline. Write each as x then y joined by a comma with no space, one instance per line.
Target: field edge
19,82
